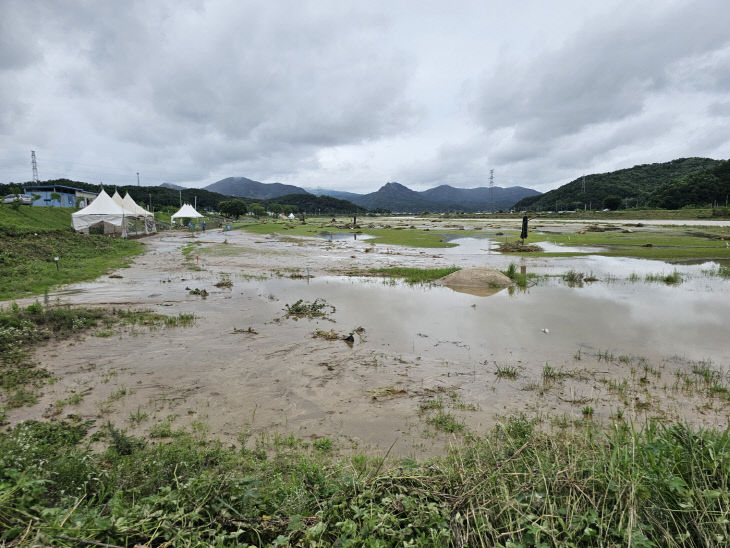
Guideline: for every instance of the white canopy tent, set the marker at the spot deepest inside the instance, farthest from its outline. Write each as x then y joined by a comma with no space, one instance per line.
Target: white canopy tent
148,218
186,212
117,198
104,212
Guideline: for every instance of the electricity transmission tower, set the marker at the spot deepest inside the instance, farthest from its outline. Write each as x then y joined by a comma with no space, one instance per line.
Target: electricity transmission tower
35,166
491,191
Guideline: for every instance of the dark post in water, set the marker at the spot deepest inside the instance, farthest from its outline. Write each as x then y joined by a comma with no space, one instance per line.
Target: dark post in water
523,235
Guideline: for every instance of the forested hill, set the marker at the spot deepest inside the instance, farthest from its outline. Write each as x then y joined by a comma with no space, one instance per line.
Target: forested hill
707,187
206,200
633,186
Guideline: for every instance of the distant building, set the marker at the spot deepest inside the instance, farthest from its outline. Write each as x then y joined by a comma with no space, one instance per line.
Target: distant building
69,196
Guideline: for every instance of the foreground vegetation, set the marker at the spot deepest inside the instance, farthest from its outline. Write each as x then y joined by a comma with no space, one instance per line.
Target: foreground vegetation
30,238
517,486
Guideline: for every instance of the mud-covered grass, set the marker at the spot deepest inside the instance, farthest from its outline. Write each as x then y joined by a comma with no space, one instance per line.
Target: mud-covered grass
31,237
23,329
517,485
413,275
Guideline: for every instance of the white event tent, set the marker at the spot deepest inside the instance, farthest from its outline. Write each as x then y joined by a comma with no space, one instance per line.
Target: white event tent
186,212
148,218
104,212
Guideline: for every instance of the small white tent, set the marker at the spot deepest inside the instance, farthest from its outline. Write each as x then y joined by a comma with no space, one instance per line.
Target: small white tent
105,212
186,212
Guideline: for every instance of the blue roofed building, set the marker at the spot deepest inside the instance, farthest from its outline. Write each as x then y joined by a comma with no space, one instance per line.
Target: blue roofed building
59,195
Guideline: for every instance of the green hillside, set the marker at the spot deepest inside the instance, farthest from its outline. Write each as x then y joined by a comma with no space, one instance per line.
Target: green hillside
34,219
708,187
30,238
634,186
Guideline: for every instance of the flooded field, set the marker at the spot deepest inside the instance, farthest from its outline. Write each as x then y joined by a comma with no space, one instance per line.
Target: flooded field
626,345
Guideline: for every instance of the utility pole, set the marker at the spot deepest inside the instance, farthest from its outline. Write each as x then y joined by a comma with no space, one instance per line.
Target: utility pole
491,191
35,166
180,191
138,178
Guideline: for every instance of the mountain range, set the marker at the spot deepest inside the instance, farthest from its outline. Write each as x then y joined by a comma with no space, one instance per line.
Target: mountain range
248,188
391,196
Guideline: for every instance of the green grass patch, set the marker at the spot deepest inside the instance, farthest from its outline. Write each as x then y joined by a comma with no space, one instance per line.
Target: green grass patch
31,237
669,243
34,219
414,275
516,486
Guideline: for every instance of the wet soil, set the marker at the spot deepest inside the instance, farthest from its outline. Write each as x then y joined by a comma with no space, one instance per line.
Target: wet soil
624,349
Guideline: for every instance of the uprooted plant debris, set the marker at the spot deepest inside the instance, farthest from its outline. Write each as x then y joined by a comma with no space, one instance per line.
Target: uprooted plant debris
201,292
518,247
225,282
316,309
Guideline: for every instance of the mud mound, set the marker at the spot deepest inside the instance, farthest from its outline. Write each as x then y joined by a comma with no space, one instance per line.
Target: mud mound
480,279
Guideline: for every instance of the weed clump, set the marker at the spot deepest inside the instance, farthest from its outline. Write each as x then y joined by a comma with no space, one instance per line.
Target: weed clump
520,279
316,309
573,277
672,278
224,282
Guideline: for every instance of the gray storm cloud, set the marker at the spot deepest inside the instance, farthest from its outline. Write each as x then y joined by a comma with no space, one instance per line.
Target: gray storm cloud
349,95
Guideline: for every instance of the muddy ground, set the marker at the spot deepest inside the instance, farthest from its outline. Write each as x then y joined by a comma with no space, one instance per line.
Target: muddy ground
612,350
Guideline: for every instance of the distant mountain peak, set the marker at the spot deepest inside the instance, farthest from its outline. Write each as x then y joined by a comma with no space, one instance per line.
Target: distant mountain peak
248,188
172,186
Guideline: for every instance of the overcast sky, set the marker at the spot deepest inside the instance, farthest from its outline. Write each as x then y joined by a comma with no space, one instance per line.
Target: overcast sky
349,95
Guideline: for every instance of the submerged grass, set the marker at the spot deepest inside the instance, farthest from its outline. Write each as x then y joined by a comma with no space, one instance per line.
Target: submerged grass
22,329
516,486
671,278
